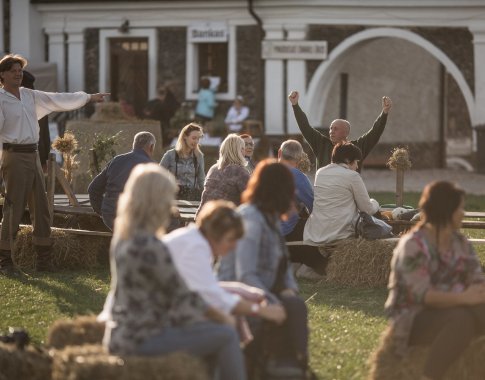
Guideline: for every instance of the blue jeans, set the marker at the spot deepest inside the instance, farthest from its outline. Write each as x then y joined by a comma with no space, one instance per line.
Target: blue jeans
205,339
109,220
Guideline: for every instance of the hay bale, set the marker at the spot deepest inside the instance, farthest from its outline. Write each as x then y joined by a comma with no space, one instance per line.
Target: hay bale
384,364
359,262
80,222
68,251
75,332
28,364
93,362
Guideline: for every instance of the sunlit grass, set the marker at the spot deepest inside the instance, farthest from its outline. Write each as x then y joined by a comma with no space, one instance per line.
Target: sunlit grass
345,323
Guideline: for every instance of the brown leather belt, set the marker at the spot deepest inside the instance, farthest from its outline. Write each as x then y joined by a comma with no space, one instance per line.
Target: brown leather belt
20,148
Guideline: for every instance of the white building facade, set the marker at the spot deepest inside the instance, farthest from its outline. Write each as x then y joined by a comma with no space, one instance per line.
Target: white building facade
341,55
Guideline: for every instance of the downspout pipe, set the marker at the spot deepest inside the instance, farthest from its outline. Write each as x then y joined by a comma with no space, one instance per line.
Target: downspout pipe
262,34
256,17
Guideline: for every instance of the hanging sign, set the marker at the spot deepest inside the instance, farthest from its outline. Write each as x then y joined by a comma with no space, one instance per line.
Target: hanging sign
207,32
295,50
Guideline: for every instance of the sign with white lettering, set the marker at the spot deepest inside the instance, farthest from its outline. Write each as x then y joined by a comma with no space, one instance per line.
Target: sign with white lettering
207,32
295,50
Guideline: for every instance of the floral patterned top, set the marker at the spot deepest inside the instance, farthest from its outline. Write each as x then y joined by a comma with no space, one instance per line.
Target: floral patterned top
417,267
148,294
227,183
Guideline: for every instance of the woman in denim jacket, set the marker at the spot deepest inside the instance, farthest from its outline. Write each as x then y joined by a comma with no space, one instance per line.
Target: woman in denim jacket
261,260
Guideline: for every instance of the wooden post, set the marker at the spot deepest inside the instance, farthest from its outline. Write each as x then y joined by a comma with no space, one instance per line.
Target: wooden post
51,184
93,162
399,187
66,186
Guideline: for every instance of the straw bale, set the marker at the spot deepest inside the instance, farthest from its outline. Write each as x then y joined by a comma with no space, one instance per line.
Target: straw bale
27,364
75,332
80,222
93,362
68,251
384,364
359,262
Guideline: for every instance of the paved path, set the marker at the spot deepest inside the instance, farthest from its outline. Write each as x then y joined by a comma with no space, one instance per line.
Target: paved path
415,180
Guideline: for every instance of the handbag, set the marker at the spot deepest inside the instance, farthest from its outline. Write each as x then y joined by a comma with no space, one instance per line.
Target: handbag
188,193
371,228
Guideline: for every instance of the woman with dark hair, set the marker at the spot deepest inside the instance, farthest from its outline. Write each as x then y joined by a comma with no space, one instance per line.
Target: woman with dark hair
339,195
186,163
436,287
261,260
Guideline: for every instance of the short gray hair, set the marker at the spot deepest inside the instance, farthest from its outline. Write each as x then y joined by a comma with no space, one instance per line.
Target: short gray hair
143,139
291,150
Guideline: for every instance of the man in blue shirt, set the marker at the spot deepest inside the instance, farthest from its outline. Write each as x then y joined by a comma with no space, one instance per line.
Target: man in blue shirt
291,154
105,189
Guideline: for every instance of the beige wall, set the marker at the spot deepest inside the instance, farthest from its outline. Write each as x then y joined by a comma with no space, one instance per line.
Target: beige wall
401,70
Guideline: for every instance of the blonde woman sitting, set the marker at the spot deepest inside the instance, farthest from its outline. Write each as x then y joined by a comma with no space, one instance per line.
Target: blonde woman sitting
228,177
150,311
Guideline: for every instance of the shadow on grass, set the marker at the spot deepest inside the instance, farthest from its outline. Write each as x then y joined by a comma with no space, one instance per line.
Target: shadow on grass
369,301
73,292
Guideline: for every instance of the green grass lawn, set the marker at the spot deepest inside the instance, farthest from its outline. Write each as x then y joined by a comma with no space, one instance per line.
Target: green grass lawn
345,323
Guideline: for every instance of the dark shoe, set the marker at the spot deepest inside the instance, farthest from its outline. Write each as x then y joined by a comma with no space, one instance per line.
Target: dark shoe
43,262
10,270
5,259
284,369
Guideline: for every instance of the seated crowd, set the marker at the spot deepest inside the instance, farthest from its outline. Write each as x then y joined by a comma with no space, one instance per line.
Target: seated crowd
223,289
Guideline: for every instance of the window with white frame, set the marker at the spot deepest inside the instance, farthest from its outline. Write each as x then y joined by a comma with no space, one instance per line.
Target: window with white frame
211,53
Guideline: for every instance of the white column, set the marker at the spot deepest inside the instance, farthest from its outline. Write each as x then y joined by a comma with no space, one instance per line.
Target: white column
2,20
26,37
479,55
57,54
295,76
274,91
75,61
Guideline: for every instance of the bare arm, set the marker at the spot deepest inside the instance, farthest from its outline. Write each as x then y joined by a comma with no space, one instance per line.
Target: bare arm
275,313
473,295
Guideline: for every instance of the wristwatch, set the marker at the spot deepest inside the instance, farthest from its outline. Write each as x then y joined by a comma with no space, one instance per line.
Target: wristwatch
255,308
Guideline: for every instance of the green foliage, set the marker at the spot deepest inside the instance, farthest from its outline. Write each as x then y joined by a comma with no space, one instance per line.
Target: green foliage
104,147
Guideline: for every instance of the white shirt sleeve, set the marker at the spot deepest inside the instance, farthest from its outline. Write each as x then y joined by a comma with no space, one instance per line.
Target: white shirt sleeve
193,261
361,196
47,102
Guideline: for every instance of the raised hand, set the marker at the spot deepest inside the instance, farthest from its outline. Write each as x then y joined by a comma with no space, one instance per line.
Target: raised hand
386,104
293,97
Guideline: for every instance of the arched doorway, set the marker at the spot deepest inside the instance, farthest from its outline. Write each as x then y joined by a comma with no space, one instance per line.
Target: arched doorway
421,90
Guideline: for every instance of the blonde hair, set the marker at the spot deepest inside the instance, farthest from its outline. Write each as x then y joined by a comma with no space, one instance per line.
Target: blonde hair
145,204
217,218
230,152
187,130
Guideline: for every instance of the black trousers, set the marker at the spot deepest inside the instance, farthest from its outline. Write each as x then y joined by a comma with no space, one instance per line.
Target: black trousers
287,342
305,254
448,331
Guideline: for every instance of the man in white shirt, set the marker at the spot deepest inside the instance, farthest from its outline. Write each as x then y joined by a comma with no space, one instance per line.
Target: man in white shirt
236,115
20,109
